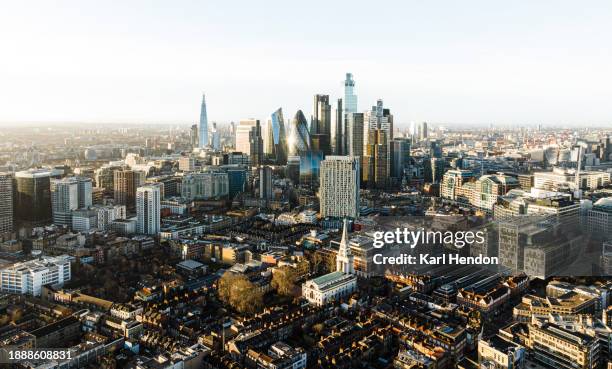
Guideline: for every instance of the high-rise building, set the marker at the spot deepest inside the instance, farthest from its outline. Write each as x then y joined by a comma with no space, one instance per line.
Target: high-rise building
339,187
354,134
310,164
299,137
215,137
276,139
320,126
376,163
265,183
64,200
148,209
350,99
33,192
249,140
6,203
400,156
377,134
236,178
85,191
126,182
338,136
422,131
203,131
193,135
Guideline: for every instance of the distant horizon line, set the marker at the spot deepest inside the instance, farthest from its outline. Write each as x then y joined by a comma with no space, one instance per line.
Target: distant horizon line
448,125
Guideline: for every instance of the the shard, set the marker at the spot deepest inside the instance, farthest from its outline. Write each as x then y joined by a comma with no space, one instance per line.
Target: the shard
203,131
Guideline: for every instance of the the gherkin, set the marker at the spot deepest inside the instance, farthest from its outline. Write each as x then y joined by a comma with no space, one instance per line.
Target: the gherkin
299,138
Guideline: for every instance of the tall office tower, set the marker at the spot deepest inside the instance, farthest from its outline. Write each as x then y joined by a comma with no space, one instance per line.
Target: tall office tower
276,138
203,131
148,208
249,140
435,150
33,202
193,135
299,137
376,163
64,200
337,130
378,118
354,134
236,178
6,203
350,99
265,183
126,182
215,137
339,187
320,126
85,191
400,156
422,131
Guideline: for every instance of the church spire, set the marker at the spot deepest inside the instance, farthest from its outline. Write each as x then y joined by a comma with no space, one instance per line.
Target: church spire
344,259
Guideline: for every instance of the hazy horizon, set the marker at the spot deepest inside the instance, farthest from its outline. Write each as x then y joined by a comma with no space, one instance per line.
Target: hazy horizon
149,62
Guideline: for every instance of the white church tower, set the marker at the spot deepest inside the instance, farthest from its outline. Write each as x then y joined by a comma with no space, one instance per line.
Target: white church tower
344,259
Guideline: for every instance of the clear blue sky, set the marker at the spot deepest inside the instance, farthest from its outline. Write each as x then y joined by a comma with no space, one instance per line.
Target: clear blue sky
439,61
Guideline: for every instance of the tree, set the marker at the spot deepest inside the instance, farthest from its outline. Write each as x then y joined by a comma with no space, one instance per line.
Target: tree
284,280
237,291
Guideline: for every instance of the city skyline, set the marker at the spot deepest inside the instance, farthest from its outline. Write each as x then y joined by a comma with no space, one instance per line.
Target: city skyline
534,63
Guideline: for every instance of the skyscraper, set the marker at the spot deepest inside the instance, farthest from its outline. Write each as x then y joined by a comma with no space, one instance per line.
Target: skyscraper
193,135
299,137
422,131
215,137
148,208
64,200
6,203
203,131
249,140
354,134
337,130
33,202
320,126
126,182
265,183
85,191
339,187
400,156
378,132
350,99
276,139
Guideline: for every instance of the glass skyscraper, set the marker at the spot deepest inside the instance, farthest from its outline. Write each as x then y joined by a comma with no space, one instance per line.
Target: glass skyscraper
299,137
276,139
203,131
350,99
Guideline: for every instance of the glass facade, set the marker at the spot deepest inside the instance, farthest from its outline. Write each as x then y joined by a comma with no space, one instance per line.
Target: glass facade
350,99
203,131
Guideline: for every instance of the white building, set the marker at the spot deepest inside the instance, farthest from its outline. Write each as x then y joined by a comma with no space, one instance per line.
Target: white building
148,209
84,220
28,277
339,187
336,285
